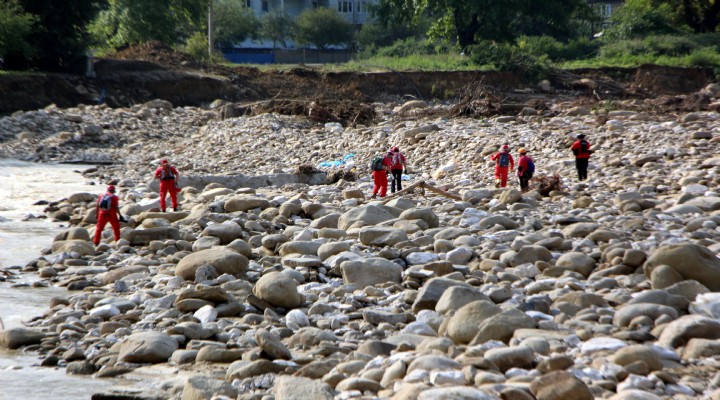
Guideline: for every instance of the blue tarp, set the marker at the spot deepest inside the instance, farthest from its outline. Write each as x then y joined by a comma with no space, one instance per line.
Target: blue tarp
336,163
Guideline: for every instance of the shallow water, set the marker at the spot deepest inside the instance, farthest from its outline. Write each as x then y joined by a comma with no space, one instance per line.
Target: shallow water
21,185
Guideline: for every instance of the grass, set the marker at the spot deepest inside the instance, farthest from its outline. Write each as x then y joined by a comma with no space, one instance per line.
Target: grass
20,73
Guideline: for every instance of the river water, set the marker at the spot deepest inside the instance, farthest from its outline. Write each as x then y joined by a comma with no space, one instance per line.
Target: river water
21,185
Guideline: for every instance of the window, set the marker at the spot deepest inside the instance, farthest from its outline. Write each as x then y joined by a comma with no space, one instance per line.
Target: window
345,6
248,3
605,10
265,6
316,4
363,7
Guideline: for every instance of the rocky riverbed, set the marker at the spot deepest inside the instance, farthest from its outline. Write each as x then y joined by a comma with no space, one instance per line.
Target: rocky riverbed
605,289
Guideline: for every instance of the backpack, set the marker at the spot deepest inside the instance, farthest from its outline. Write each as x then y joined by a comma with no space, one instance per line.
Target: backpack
166,175
377,163
530,167
105,203
504,160
583,146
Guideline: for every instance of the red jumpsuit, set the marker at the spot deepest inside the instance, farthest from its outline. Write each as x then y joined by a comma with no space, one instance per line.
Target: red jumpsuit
380,178
167,177
105,216
501,173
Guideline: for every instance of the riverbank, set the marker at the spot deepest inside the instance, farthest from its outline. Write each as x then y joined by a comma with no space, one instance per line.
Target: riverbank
601,288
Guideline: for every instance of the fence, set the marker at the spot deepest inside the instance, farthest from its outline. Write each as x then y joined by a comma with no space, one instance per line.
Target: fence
285,56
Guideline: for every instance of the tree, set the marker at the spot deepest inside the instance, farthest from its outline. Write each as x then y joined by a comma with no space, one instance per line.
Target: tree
637,18
125,22
234,22
15,27
322,27
59,36
276,26
468,21
698,15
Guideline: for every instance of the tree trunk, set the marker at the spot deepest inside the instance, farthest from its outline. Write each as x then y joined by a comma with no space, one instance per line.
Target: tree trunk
466,34
211,27
710,19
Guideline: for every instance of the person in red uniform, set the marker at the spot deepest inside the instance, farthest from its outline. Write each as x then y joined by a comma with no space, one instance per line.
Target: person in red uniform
503,164
581,149
168,176
524,171
380,176
108,210
398,164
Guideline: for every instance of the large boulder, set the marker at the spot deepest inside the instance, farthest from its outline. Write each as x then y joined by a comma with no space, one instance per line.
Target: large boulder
18,337
368,215
147,347
425,214
464,325
223,260
245,203
143,237
678,332
381,236
560,385
692,261
502,326
226,232
370,272
298,388
200,387
279,290
576,261
81,247
432,290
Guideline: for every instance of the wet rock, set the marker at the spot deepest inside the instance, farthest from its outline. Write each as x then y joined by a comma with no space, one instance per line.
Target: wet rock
17,337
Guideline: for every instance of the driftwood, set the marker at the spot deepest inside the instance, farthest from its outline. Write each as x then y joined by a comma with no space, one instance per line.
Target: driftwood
423,185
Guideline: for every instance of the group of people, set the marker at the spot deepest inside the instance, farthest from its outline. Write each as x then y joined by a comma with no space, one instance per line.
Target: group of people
108,204
393,163
504,163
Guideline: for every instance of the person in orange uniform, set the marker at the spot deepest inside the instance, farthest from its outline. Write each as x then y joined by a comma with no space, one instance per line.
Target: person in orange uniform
581,149
108,210
526,168
380,176
168,176
503,164
398,164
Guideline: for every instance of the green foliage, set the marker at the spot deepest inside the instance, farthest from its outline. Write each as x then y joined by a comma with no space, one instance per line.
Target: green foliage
705,57
15,27
125,22
322,27
637,18
234,22
276,26
414,62
59,36
412,46
552,49
467,21
509,57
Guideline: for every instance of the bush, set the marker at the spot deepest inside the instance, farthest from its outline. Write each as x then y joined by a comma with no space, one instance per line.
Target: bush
508,57
539,46
705,57
197,47
406,47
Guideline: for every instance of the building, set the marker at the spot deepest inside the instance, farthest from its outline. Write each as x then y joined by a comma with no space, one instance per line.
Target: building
356,12
605,9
